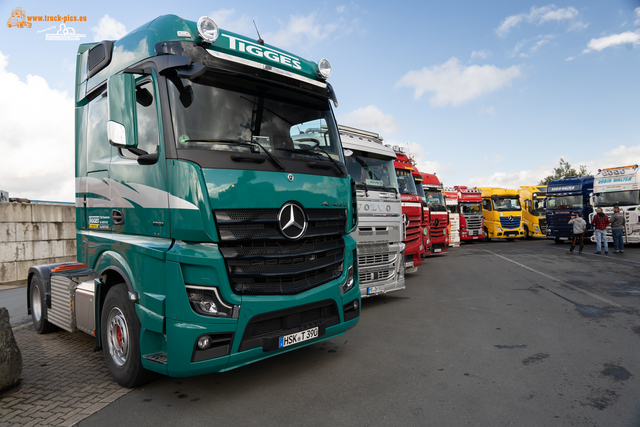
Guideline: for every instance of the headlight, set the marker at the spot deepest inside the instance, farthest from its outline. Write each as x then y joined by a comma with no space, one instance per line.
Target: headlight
499,228
348,284
208,29
208,302
536,228
324,68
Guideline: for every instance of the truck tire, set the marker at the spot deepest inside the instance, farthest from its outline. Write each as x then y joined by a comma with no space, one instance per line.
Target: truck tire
39,307
526,233
486,235
120,332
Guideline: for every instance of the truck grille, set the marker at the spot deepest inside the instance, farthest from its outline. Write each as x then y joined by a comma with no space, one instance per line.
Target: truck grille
374,276
474,222
507,223
260,261
364,260
543,225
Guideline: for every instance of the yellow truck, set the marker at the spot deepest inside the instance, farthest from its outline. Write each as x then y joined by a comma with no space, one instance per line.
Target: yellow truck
534,218
502,213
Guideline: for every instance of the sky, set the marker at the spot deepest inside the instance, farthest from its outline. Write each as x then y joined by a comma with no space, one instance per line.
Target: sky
489,93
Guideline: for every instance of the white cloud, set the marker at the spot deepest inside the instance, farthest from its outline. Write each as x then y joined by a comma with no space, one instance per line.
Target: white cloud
421,157
540,15
452,83
482,53
341,8
371,119
108,29
37,138
637,13
495,158
536,43
628,37
225,18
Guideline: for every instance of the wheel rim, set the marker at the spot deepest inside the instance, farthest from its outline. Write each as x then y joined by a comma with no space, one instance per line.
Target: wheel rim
118,336
36,303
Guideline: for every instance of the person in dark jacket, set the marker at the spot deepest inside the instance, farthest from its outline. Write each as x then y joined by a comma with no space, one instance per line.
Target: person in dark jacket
579,227
617,230
600,222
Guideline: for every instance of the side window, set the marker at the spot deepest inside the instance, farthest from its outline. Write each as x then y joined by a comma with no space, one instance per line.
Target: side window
486,204
147,119
98,148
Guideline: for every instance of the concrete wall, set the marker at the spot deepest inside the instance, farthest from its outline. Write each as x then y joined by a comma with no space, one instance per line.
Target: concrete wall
34,234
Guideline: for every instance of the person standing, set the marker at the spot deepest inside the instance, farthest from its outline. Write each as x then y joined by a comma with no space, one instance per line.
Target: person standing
579,227
600,222
617,230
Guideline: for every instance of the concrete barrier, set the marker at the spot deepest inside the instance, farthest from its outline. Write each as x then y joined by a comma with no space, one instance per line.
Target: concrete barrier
33,234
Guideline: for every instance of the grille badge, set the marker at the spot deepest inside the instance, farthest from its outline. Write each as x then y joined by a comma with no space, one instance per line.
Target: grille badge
292,221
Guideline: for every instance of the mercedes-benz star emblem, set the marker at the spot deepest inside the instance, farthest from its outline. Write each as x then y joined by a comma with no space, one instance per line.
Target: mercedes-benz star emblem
290,177
436,222
510,217
292,221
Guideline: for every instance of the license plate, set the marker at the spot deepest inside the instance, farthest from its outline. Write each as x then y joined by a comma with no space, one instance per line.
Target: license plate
437,250
563,238
375,290
298,337
476,237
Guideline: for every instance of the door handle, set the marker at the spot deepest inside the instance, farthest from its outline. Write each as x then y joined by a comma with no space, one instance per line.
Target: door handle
117,217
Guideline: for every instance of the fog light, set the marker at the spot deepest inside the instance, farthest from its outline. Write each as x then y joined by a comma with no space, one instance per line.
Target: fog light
355,304
204,342
208,29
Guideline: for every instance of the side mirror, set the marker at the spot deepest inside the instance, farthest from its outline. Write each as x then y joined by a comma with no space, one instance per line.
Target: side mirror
122,125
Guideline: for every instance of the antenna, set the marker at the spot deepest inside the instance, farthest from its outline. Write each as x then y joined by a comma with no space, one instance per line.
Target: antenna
260,41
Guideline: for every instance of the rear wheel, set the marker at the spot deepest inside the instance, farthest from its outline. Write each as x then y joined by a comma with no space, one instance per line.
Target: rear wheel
39,307
120,329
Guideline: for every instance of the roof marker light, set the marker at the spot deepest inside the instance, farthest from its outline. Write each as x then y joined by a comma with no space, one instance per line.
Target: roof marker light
324,68
208,29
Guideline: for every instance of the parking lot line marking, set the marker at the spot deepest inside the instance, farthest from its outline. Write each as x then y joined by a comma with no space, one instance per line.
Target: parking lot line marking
598,297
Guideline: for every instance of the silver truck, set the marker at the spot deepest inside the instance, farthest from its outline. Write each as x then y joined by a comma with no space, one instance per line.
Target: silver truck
380,230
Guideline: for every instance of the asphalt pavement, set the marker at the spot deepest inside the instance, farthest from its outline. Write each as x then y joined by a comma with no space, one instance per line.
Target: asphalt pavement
500,333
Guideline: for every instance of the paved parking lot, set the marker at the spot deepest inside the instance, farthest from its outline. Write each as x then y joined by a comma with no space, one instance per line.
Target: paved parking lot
500,333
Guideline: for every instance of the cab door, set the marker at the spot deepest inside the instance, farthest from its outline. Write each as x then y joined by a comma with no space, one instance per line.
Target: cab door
139,198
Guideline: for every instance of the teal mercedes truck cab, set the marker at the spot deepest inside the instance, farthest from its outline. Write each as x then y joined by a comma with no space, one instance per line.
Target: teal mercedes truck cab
212,232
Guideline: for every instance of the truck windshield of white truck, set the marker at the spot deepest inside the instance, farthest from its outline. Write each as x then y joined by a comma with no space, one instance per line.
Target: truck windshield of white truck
225,113
371,172
565,202
622,198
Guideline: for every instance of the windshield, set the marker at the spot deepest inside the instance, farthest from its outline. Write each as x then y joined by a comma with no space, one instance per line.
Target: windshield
471,208
538,207
406,184
453,208
622,198
224,113
435,200
420,191
506,203
368,171
565,202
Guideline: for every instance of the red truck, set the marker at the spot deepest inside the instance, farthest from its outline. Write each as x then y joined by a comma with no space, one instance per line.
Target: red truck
436,215
471,219
415,236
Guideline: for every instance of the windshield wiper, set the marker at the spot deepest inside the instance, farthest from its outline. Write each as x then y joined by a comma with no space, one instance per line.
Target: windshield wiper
315,151
241,142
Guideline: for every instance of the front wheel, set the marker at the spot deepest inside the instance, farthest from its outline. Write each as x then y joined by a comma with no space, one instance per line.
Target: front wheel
39,307
120,328
486,235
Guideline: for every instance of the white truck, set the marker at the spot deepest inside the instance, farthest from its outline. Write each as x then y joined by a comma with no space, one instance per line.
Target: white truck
451,200
619,186
380,230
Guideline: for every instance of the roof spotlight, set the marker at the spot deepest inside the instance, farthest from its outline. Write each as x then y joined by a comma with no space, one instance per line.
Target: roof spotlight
207,29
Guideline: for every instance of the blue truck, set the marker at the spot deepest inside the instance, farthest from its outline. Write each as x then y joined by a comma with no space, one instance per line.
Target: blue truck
565,197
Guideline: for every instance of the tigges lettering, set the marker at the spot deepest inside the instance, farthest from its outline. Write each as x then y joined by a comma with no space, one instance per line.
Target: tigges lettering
262,52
